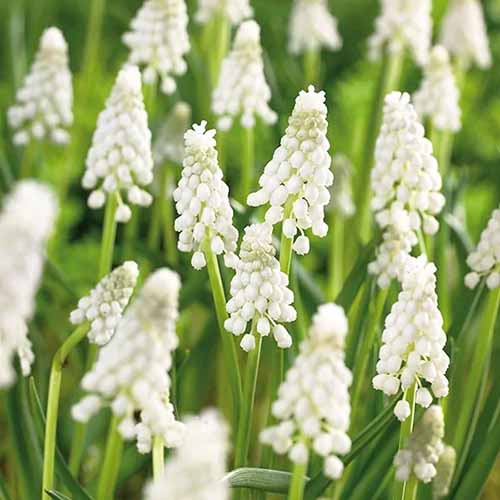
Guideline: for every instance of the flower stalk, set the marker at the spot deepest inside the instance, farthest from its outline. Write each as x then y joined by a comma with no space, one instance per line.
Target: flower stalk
158,458
297,484
248,147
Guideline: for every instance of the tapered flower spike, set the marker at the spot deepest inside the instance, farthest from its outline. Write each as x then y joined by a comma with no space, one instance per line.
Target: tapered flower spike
105,304
120,158
26,222
236,11
131,371
424,449
312,27
402,25
242,90
413,341
313,405
43,109
202,201
464,33
406,187
342,198
445,468
195,469
438,96
295,182
484,261
259,291
158,39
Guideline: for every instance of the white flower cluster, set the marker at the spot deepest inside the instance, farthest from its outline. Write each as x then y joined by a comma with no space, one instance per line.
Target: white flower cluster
445,469
464,33
43,108
105,304
131,371
402,24
313,403
235,10
438,96
424,448
242,88
158,39
413,341
202,201
405,184
485,259
259,291
295,182
195,470
312,27
120,154
26,221
169,144
342,196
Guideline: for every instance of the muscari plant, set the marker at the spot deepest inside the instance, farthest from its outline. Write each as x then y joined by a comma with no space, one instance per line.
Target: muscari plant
377,380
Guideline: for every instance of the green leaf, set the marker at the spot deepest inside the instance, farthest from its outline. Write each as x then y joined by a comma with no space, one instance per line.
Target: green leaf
62,469
272,481
4,494
56,495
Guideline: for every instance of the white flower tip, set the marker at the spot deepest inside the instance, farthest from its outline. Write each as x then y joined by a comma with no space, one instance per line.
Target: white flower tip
402,410
311,100
248,33
123,213
248,343
301,245
53,40
198,260
471,280
129,79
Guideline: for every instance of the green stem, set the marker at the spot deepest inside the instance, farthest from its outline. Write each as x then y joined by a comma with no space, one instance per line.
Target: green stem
111,463
245,421
248,162
156,217
312,62
228,346
410,491
336,265
108,236
158,458
93,37
26,169
220,46
53,406
296,491
150,92
167,210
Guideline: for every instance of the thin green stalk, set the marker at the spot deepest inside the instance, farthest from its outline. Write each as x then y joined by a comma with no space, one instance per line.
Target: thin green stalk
400,488
108,236
53,406
312,63
296,491
250,385
26,169
228,346
154,235
167,210
410,492
389,78
150,92
158,458
93,37
220,44
248,161
336,265
111,463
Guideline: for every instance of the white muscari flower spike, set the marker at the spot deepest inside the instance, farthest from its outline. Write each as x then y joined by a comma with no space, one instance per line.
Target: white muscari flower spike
202,201
105,304
445,468
26,222
313,406
242,89
295,182
438,96
234,10
312,27
158,39
120,158
413,341
169,143
131,371
259,291
484,261
196,468
424,448
401,25
43,109
342,197
406,185
464,33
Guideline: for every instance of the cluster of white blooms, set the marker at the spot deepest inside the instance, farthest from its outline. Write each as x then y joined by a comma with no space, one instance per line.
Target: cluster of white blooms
169,143
424,448
158,39
104,306
464,33
312,27
26,221
235,10
342,197
120,154
43,108
295,182
313,404
413,341
259,291
195,470
444,472
438,96
242,88
131,371
405,184
202,201
402,24
485,259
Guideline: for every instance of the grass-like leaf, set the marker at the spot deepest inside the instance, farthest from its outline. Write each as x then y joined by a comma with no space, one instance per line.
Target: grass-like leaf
57,495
